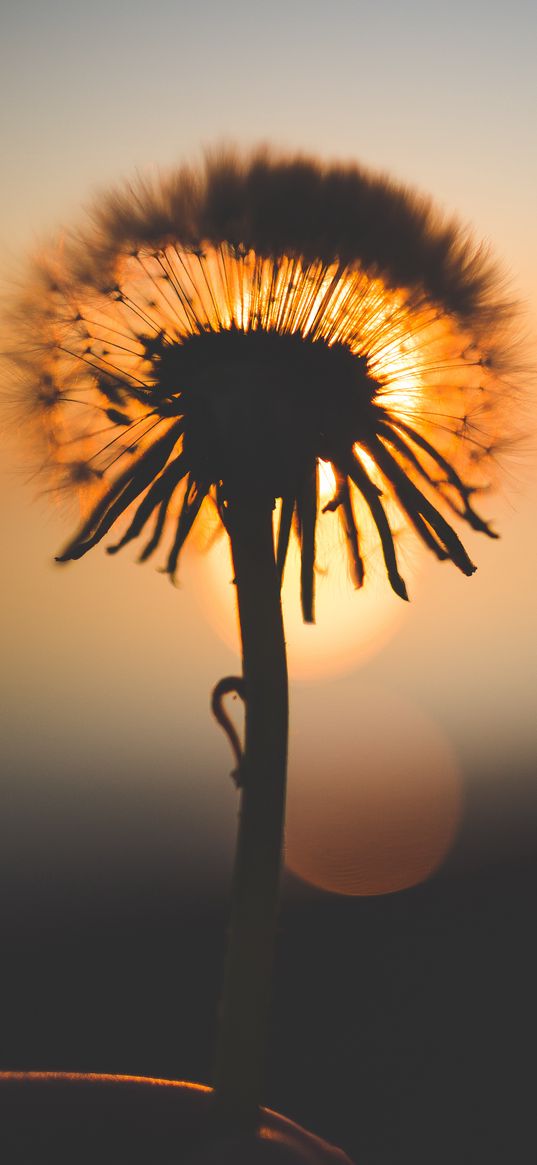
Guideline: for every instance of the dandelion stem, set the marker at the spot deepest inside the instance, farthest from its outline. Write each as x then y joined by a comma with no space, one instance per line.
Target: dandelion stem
241,1039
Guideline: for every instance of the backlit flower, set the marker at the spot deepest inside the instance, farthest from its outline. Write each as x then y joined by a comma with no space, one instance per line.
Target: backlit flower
225,331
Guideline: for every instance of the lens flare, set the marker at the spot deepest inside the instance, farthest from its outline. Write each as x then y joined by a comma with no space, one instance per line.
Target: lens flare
372,811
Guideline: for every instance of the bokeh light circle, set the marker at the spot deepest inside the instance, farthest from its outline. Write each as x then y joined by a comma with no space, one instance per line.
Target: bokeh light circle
374,791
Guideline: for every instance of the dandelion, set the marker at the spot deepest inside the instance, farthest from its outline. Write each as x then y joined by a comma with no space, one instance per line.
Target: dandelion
217,337
222,333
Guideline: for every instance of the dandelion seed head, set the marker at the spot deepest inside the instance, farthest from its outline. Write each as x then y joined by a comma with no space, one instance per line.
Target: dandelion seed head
221,332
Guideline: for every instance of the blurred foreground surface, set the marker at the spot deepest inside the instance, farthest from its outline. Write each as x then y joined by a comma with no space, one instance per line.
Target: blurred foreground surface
121,1120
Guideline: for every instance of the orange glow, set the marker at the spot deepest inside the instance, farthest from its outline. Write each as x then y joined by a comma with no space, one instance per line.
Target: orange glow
413,353
327,482
139,1116
107,1078
374,811
351,625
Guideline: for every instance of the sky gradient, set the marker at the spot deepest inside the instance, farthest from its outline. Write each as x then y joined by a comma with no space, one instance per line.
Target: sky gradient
108,668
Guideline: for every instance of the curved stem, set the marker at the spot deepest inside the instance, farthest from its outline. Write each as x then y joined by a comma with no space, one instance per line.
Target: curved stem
241,1039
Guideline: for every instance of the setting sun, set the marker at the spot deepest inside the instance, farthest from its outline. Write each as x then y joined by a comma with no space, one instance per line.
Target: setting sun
350,626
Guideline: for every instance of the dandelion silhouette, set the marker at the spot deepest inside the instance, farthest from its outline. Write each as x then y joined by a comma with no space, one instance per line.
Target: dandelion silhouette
210,339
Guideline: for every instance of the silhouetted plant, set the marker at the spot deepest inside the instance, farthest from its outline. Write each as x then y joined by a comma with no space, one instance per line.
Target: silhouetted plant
213,336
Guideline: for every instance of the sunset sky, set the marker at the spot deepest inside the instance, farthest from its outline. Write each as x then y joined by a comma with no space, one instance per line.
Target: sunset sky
400,1020
108,669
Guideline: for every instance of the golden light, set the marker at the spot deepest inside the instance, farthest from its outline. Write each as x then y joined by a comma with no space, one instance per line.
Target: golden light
371,809
175,293
327,482
351,625
108,341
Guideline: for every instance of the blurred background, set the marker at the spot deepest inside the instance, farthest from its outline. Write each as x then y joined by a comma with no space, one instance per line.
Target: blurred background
404,996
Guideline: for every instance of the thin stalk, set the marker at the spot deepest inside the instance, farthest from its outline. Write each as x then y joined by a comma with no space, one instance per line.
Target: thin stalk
243,1019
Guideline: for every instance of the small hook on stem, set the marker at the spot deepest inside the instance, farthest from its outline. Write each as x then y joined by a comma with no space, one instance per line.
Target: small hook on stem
224,686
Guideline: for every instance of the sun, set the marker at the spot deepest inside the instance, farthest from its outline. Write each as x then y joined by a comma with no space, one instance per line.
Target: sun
351,626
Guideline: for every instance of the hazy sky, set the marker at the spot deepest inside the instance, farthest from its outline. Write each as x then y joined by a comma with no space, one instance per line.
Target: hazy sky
108,669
